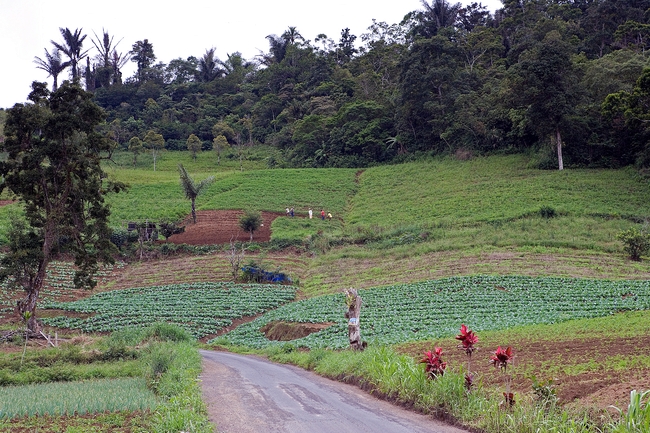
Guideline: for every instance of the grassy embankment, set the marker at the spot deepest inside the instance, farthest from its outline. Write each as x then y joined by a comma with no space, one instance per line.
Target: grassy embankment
428,220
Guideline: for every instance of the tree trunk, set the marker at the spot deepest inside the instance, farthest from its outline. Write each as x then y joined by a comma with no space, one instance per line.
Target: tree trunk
251,236
353,301
33,288
193,212
558,142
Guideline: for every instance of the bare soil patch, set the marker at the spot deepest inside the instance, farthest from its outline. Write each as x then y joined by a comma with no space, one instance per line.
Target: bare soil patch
220,227
287,331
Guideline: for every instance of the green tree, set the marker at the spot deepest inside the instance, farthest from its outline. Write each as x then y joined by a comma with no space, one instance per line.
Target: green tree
250,221
545,85
53,165
136,148
192,189
155,142
222,128
72,47
194,145
53,65
142,54
219,142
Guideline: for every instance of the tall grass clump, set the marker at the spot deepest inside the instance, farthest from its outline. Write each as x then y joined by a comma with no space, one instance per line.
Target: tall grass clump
637,417
183,408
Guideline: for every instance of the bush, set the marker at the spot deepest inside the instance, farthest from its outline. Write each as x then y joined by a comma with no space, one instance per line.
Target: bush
158,359
636,242
119,237
168,332
547,212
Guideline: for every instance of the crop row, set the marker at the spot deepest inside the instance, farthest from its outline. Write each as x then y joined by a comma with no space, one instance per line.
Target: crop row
435,309
201,308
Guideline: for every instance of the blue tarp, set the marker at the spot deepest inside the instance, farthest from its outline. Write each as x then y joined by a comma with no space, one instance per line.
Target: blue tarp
266,276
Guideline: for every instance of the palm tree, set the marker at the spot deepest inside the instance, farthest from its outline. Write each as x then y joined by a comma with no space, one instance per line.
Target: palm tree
291,35
72,47
277,49
209,66
52,65
191,189
435,16
109,57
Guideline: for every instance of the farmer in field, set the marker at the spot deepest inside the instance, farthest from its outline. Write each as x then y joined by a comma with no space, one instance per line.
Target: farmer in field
322,214
311,213
329,215
291,212
288,212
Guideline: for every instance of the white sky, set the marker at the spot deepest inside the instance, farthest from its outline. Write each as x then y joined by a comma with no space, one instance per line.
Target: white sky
176,29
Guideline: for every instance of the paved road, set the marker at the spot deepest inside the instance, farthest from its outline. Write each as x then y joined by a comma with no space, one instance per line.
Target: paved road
248,394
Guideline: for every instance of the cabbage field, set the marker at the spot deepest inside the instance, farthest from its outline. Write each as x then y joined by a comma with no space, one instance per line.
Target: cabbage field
201,308
394,314
437,308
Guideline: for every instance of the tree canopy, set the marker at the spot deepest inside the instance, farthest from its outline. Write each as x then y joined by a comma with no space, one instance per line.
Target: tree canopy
53,166
447,78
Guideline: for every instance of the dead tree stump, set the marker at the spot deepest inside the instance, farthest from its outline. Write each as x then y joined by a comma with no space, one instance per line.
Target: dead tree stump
353,301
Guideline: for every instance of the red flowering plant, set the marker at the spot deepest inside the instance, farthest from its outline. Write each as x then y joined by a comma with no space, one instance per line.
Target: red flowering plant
467,340
434,366
501,359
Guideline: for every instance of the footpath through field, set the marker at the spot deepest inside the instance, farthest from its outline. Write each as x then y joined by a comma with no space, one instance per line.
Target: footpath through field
249,394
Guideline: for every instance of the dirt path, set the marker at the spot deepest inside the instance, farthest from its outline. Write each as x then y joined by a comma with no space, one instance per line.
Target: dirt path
246,394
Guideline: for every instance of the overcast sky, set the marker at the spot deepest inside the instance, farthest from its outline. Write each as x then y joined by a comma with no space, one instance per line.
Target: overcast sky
176,29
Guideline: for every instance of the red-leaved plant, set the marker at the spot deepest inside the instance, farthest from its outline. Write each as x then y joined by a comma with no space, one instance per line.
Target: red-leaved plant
434,366
467,341
501,359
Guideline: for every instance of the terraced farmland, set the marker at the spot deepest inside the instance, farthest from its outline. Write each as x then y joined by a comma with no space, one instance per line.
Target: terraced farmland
201,308
434,309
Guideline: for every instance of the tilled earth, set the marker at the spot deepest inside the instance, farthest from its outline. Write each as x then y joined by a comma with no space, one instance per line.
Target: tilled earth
221,227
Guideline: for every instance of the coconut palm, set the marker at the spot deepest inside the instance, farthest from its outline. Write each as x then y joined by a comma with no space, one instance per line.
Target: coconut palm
192,189
53,65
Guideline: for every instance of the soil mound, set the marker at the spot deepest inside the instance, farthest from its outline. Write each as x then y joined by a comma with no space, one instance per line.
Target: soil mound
287,331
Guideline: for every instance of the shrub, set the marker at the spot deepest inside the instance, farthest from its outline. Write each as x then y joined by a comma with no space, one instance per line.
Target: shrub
158,359
168,332
547,212
119,237
636,242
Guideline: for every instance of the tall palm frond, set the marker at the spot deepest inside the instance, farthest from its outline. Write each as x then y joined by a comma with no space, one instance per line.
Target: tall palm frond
53,65
209,66
72,47
191,189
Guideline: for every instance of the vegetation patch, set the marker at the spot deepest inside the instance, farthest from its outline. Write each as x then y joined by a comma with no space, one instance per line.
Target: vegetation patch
436,308
200,308
76,397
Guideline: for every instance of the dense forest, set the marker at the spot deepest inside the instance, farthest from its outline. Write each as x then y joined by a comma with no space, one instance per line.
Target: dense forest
563,80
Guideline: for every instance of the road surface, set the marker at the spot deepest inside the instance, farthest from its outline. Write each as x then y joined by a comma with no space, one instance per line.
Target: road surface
246,394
